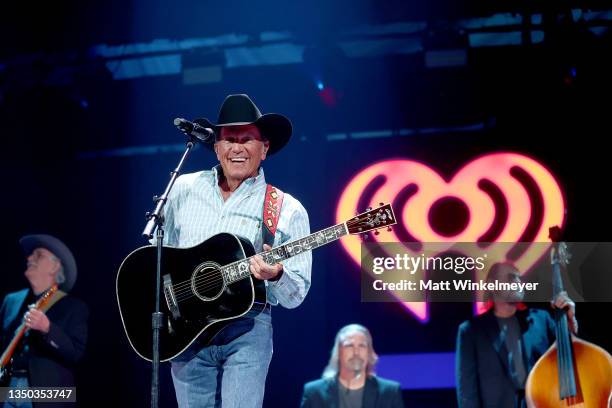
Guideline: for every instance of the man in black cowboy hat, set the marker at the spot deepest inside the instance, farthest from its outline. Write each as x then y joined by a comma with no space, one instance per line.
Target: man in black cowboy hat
56,336
230,198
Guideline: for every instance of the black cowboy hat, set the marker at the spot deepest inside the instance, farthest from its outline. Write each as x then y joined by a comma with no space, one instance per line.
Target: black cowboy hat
30,242
241,110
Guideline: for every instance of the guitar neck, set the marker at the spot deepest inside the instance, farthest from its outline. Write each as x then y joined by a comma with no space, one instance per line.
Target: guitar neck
565,363
557,281
10,349
238,270
41,304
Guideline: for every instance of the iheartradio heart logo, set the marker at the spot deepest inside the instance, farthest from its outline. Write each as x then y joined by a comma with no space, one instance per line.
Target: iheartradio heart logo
497,197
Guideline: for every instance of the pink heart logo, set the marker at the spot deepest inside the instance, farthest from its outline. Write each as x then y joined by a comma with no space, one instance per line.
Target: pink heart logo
497,197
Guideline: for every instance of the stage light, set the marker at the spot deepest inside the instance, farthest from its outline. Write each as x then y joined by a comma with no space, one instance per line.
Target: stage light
326,65
330,97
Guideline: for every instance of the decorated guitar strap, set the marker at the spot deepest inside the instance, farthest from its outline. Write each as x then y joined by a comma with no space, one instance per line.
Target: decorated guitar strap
56,296
273,202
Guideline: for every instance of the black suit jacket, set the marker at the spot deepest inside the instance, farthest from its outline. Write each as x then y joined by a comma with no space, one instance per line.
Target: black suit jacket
482,372
378,393
53,356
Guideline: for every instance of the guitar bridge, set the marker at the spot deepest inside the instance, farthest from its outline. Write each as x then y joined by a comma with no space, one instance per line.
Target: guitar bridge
170,298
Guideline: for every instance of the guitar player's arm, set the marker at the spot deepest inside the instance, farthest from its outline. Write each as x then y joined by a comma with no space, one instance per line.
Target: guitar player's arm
291,288
67,337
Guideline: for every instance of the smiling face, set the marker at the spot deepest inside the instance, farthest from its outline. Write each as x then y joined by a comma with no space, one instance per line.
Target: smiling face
240,150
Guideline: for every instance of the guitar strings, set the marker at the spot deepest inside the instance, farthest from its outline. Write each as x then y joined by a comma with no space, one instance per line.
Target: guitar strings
189,293
185,287
184,290
202,283
187,283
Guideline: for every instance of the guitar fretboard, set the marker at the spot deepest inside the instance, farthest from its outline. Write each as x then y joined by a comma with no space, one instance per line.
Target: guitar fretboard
240,269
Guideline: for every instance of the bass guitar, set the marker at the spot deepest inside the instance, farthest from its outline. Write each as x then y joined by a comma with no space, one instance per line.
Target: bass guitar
573,372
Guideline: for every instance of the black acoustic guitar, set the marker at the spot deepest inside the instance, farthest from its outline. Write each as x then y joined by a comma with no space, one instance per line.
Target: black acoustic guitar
207,286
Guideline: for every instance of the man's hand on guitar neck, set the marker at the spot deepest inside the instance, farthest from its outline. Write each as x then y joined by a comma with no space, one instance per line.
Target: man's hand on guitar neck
262,270
37,320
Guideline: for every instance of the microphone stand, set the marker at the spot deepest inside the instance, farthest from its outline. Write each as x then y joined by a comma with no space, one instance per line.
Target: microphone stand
155,219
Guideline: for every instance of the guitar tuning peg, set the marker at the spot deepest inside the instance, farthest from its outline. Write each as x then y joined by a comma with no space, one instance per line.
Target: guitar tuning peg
376,232
389,229
381,204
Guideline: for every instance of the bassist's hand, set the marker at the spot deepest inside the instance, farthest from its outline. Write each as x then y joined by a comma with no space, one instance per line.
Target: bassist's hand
261,270
562,301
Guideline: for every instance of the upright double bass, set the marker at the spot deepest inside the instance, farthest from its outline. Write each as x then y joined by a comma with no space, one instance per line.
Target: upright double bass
572,372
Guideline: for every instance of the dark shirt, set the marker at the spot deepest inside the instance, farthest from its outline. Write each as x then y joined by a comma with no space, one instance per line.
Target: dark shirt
377,393
510,331
350,398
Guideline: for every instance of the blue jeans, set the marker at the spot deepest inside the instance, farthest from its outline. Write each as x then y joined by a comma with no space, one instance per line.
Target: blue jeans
18,382
230,372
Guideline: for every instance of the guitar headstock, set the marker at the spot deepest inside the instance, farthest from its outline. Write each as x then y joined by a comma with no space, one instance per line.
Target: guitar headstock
559,253
372,219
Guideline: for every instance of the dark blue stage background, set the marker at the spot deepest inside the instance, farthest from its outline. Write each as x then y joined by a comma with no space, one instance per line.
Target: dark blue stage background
88,139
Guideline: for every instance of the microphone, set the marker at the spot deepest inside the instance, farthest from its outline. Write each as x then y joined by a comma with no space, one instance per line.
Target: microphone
205,135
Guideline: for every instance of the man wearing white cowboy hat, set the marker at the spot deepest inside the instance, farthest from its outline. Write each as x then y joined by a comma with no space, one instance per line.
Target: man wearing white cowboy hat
55,338
232,370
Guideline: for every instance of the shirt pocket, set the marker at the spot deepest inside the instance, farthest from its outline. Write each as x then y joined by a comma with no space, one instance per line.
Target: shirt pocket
247,226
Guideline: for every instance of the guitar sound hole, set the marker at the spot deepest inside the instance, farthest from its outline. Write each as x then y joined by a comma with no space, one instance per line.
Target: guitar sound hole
207,281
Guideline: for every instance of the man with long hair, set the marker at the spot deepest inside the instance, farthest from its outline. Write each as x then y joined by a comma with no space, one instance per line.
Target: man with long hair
349,380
